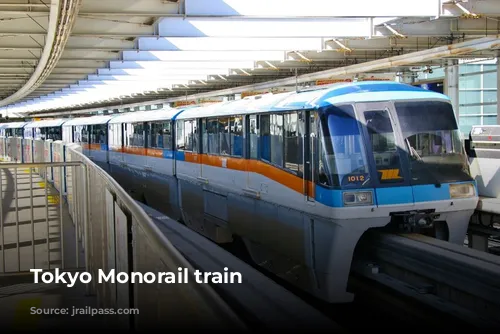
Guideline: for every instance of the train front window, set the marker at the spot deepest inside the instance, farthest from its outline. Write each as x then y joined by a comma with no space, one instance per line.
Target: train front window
342,158
383,145
433,141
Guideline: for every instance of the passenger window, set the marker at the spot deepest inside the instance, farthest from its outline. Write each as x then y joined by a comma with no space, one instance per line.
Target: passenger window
277,140
253,132
213,136
224,136
134,135
383,143
195,134
116,134
111,135
85,134
204,138
98,134
188,136
236,127
160,135
293,137
265,137
179,135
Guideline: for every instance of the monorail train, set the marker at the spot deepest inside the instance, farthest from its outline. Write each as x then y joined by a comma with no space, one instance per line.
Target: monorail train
298,177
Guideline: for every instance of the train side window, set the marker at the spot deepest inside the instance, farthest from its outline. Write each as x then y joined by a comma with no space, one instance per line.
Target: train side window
277,139
236,127
98,134
135,135
115,135
179,134
253,132
195,134
160,135
188,135
224,142
204,136
111,135
294,128
265,137
213,136
85,134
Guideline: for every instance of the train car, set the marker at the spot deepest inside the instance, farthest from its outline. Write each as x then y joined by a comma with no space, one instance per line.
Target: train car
46,129
318,169
141,157
299,177
13,129
91,133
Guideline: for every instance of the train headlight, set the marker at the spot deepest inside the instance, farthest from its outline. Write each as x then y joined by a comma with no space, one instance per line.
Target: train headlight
352,198
462,190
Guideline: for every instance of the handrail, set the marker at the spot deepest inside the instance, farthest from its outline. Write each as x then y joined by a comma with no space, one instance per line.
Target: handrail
103,214
155,235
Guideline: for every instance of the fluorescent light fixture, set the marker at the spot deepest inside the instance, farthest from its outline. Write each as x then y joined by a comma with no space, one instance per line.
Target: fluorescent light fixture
228,43
266,27
203,55
145,78
160,65
162,72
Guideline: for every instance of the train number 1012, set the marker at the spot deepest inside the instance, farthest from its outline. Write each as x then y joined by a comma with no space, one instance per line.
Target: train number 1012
356,178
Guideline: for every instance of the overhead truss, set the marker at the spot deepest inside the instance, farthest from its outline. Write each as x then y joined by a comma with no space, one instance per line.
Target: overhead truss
139,49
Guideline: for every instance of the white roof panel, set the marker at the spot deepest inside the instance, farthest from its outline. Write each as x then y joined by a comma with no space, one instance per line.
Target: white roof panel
100,119
145,116
46,123
13,125
252,104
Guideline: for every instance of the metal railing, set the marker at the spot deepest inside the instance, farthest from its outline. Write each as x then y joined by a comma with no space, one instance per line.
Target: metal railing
45,214
114,233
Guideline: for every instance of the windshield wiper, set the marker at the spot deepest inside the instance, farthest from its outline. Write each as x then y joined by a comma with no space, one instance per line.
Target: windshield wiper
413,152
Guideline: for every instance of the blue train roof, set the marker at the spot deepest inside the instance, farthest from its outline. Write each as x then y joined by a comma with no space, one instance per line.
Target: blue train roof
364,91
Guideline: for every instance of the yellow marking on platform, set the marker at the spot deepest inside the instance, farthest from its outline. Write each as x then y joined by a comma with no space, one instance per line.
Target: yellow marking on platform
53,199
23,319
25,170
41,184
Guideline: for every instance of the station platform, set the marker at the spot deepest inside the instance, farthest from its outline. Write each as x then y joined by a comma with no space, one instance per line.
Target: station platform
36,232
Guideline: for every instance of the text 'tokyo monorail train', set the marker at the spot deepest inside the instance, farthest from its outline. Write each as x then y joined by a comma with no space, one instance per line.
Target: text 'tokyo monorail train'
298,177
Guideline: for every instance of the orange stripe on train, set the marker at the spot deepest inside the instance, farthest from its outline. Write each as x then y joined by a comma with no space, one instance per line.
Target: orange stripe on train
289,180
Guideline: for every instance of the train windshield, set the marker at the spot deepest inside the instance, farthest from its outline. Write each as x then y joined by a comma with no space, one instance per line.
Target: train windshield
433,142
342,160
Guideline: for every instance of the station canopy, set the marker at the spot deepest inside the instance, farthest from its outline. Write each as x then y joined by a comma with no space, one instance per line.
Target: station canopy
59,56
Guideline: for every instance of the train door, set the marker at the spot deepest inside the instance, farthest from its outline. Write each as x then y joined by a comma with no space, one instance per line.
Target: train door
385,148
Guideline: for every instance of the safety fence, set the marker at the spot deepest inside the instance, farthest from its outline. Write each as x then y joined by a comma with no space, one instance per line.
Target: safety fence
101,229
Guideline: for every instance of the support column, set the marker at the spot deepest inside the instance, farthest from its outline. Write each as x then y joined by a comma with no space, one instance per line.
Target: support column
451,84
